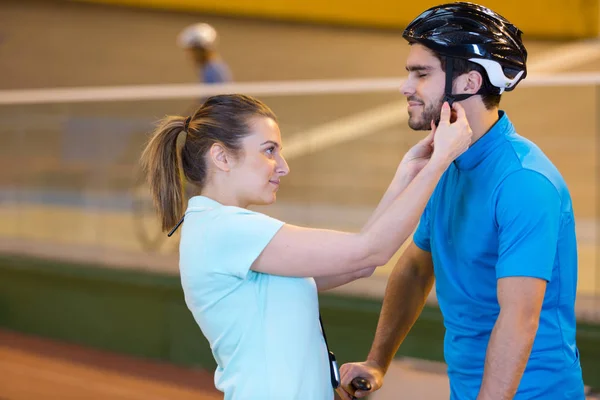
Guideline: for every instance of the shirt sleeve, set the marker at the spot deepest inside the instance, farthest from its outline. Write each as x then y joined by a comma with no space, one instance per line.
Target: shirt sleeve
239,236
422,236
528,211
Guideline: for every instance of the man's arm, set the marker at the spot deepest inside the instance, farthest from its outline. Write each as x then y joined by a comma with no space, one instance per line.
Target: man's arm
528,214
408,287
520,300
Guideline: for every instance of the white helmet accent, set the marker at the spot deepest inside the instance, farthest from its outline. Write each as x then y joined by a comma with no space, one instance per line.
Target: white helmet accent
496,74
197,35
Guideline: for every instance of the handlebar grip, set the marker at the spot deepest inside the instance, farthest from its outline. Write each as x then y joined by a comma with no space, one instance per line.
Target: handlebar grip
359,383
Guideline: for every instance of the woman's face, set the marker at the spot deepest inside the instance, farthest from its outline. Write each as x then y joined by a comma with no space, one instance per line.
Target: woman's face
260,166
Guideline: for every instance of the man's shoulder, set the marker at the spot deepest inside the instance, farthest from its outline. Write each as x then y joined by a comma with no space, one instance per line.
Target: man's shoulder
522,159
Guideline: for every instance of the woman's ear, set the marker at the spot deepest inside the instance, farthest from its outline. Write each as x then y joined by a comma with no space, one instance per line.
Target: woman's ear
220,157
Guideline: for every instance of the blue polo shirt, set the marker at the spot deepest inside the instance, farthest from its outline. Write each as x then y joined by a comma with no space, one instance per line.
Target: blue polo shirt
502,209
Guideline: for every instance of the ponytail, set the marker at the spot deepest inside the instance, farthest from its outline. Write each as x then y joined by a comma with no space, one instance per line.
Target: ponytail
161,165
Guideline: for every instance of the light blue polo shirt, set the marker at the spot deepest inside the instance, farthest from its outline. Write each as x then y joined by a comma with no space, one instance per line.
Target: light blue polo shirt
263,329
502,209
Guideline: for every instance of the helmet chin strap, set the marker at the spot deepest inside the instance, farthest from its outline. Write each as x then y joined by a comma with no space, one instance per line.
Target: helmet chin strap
448,96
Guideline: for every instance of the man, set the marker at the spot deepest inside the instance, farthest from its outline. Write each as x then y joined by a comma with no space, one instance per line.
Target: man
200,41
498,233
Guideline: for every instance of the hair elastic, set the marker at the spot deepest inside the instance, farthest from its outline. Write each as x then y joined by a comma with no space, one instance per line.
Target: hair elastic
186,125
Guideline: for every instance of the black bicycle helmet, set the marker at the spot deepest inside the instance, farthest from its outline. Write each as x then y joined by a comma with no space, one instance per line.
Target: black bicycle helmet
475,33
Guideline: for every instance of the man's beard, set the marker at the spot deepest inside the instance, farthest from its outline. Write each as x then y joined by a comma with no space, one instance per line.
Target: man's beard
430,113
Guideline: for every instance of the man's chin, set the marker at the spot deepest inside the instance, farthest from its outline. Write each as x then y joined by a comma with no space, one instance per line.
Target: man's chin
419,126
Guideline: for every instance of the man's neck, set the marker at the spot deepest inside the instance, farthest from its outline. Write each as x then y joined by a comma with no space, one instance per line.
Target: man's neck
480,119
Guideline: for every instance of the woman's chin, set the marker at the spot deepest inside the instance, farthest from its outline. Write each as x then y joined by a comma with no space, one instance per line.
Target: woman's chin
273,199
266,200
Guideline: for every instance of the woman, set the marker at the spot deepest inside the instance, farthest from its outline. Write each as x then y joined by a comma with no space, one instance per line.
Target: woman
251,281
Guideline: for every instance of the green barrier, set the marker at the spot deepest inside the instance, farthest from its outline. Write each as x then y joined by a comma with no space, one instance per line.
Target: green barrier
537,18
122,311
143,314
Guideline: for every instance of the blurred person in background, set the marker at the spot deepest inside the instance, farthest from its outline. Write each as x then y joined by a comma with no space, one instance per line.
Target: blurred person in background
200,41
250,280
498,233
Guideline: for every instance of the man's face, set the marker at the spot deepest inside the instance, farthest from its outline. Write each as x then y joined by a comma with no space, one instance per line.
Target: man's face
424,88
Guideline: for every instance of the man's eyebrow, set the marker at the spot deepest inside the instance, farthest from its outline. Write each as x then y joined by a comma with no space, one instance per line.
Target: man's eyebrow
411,68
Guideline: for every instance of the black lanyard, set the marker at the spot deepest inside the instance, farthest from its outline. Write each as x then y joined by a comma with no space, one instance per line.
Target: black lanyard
333,367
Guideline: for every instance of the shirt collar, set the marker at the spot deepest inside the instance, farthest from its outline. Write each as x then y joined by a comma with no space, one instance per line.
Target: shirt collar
202,202
482,147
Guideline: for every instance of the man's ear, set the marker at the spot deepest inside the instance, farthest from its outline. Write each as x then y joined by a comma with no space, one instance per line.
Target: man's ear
473,82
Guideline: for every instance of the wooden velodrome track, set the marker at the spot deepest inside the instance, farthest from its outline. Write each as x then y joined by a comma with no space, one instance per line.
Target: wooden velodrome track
40,369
